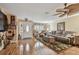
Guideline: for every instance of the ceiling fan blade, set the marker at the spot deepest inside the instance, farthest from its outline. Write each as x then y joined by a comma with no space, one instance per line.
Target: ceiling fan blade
73,8
62,15
57,14
62,10
59,10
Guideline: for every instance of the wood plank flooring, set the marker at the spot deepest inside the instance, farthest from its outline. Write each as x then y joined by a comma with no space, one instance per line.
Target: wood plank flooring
11,49
27,47
30,47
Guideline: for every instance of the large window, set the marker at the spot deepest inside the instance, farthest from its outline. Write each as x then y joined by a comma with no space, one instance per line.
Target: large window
40,27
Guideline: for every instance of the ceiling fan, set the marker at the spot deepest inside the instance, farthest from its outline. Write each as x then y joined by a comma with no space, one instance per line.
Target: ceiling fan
62,11
67,10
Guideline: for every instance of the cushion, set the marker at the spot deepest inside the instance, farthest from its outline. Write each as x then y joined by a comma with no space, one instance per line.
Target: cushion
68,35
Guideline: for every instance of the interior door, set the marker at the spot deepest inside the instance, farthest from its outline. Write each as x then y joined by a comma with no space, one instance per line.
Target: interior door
27,30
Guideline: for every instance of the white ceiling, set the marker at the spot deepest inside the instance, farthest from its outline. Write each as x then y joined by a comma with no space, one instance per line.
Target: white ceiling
33,11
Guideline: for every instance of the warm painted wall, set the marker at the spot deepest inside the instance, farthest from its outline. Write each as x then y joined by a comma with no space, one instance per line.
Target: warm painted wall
71,23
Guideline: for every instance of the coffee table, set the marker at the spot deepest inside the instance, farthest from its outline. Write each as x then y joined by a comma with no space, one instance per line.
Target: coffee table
51,39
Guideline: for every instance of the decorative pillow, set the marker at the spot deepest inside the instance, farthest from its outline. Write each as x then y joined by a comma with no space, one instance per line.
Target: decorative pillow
68,35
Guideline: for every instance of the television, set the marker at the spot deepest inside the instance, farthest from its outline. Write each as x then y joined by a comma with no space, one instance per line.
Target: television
3,22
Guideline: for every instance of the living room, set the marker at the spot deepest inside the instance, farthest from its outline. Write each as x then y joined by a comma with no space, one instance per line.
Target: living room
36,29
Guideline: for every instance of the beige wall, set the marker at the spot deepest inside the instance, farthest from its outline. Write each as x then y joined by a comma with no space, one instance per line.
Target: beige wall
71,23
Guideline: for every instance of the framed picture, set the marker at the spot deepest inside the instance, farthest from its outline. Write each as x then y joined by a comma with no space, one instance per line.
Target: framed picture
61,26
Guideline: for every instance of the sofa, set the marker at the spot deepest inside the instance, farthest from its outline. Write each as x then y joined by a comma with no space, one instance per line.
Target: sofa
66,37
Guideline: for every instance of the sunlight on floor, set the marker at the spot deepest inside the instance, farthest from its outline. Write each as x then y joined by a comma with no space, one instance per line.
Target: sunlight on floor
27,47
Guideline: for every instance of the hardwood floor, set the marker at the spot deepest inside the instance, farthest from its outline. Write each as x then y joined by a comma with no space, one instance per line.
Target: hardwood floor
30,47
11,49
27,47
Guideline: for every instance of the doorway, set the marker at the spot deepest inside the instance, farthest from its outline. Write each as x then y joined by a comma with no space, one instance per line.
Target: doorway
25,29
